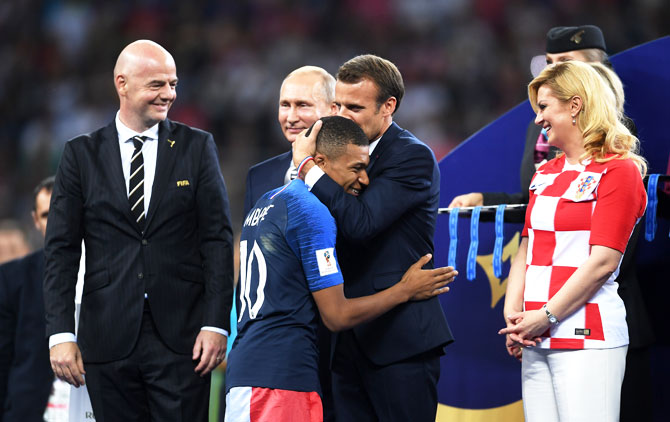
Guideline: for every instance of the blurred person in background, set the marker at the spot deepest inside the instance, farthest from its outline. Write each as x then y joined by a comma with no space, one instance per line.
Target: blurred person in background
565,320
25,372
13,243
147,196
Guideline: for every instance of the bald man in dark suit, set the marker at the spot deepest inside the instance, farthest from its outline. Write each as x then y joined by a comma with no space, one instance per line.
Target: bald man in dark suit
147,196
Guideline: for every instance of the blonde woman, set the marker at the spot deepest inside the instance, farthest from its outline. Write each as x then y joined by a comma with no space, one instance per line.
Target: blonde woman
562,305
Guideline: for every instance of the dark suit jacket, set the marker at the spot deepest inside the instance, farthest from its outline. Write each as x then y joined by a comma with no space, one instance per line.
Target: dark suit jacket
381,234
264,177
183,260
25,372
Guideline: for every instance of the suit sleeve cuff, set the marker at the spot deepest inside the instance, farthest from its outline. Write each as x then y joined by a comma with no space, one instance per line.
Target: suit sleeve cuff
61,338
313,176
216,330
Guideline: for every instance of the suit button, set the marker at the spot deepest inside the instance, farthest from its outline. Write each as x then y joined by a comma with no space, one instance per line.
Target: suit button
140,275
145,242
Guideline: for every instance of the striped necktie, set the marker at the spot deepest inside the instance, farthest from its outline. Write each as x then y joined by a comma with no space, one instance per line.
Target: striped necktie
136,183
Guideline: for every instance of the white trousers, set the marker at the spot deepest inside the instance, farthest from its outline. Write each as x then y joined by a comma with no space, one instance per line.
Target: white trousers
572,385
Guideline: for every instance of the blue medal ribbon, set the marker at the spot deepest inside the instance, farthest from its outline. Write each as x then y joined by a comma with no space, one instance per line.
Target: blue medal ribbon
474,244
453,236
652,201
498,248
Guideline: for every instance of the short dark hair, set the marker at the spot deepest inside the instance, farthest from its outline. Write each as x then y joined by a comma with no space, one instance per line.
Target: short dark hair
46,184
336,133
382,72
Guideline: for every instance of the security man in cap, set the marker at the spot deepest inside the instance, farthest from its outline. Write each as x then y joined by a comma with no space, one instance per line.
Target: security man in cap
583,43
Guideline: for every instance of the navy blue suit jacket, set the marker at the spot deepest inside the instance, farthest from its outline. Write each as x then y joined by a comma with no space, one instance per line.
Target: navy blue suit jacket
183,260
381,234
264,177
25,371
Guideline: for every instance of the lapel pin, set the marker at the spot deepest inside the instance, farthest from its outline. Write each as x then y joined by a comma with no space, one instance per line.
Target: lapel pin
171,143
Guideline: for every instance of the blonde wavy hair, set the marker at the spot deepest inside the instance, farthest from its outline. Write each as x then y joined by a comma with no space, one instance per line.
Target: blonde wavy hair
600,119
615,85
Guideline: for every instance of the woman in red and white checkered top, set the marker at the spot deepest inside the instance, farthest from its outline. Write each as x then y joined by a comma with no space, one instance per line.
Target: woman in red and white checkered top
562,309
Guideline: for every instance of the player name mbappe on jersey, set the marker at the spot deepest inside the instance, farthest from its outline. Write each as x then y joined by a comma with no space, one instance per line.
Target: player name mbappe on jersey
256,216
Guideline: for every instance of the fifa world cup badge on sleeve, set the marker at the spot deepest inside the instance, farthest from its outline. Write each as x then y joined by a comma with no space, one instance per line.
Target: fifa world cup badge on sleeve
326,260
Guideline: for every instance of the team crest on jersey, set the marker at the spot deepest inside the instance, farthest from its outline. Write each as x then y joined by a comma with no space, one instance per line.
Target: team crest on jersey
325,258
585,184
582,187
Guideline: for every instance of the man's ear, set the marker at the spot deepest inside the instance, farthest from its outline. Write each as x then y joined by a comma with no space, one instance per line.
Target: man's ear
320,160
388,107
120,83
35,219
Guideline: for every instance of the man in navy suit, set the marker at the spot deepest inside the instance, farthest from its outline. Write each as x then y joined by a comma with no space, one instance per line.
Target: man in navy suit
25,373
306,95
147,196
386,369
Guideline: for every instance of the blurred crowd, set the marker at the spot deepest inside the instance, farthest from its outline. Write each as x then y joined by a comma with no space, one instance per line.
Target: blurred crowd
464,62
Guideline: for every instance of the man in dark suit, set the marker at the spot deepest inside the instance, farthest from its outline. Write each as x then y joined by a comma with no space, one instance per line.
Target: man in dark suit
147,196
25,373
386,369
306,94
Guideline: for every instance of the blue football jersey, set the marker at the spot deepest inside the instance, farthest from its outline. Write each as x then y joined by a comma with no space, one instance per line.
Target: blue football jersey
287,251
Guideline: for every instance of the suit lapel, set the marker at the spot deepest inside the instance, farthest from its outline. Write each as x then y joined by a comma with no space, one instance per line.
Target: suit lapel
384,143
284,164
112,167
165,160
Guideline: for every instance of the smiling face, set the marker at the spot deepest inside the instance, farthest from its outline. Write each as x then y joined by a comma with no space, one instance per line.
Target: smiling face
555,116
358,102
146,81
302,101
348,168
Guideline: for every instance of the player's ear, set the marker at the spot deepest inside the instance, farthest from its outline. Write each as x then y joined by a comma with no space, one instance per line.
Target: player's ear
320,160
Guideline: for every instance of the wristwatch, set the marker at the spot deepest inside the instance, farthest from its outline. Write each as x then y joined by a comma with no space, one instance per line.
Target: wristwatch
551,317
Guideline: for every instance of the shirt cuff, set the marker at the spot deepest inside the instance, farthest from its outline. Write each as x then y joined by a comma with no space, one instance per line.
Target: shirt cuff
216,330
61,338
313,176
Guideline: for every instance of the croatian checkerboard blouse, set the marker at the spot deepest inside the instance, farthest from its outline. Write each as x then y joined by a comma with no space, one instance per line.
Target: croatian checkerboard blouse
571,208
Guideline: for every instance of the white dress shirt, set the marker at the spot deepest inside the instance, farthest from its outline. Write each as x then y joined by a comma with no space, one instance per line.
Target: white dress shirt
287,175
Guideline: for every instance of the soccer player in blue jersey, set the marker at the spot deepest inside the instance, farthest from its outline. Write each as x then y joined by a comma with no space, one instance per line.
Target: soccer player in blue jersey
288,273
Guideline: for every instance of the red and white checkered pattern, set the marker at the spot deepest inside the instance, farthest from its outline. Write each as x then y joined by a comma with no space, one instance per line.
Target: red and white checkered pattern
572,207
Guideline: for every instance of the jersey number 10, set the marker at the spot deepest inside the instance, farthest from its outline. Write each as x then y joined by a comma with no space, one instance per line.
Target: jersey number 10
245,279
